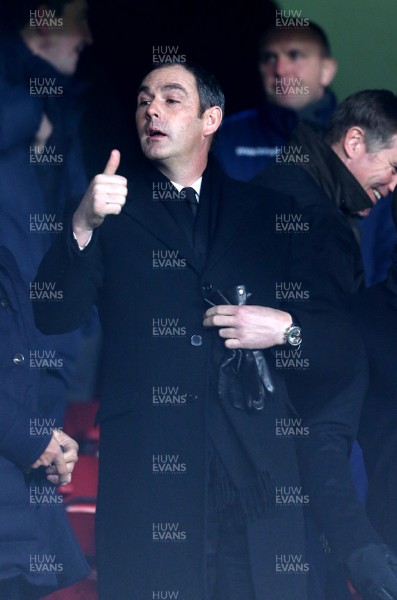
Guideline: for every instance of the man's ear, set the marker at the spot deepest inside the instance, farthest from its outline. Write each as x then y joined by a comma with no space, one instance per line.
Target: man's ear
212,120
329,68
353,142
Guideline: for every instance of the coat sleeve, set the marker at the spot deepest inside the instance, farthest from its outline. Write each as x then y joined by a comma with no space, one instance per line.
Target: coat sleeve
72,274
16,442
329,391
330,405
20,115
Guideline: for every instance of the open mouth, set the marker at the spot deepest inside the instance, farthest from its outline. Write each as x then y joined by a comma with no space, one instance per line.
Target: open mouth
377,194
155,133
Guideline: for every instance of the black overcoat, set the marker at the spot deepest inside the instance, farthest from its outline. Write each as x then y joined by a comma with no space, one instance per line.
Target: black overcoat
157,364
321,184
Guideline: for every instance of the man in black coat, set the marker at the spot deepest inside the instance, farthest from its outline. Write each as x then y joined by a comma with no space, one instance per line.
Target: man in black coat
375,310
339,178
342,174
199,488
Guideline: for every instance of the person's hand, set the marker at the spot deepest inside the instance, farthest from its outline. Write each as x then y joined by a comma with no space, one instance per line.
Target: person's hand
249,327
43,133
59,458
106,195
372,571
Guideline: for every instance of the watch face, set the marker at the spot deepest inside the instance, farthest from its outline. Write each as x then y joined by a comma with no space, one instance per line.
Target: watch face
294,336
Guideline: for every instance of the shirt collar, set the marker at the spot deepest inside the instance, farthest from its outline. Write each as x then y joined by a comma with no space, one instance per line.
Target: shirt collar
196,185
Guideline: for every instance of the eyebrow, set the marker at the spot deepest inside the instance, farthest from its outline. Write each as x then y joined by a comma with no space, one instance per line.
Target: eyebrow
167,87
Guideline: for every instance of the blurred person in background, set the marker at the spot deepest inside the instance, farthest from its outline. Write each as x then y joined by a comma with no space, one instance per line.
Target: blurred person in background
41,164
296,68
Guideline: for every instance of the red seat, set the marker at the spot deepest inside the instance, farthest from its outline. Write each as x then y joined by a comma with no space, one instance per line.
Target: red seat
82,519
82,590
80,502
79,421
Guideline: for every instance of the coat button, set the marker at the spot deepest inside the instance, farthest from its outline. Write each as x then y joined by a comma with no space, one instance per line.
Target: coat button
18,359
196,340
207,287
3,302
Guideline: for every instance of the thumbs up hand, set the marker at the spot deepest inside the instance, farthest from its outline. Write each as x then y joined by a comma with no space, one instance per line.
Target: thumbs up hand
106,195
113,163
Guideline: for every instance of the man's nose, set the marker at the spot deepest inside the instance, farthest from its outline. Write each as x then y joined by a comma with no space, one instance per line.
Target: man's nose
153,108
393,183
282,66
86,34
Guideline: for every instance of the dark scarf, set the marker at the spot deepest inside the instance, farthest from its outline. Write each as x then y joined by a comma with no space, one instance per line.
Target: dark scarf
329,172
332,176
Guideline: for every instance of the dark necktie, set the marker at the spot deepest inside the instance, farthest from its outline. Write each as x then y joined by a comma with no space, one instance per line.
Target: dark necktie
184,212
189,195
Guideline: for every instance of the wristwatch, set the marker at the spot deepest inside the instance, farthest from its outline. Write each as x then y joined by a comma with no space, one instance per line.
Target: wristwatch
293,335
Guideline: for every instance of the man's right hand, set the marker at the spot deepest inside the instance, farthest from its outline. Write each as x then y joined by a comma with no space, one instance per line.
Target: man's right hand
106,195
59,458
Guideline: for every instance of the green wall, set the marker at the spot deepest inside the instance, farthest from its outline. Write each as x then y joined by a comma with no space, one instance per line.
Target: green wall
363,38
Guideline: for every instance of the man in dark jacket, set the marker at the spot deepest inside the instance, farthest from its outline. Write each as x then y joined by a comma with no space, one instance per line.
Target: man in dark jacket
41,164
39,552
296,68
197,456
339,178
343,174
375,310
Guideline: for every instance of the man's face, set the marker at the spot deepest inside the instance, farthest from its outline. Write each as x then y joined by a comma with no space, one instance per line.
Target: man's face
64,45
294,72
376,172
167,118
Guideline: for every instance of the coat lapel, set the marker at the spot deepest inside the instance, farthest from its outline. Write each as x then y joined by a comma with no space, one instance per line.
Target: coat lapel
231,203
148,203
225,205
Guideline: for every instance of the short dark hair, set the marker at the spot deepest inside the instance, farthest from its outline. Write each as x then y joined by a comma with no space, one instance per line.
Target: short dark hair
18,13
209,90
373,110
310,31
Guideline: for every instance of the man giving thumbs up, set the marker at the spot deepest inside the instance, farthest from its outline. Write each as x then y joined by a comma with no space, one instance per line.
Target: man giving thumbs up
105,196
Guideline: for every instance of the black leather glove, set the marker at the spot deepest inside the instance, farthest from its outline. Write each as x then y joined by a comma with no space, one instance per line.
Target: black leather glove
244,376
373,572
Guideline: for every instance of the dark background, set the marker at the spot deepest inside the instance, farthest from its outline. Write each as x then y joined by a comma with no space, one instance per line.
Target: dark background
220,35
